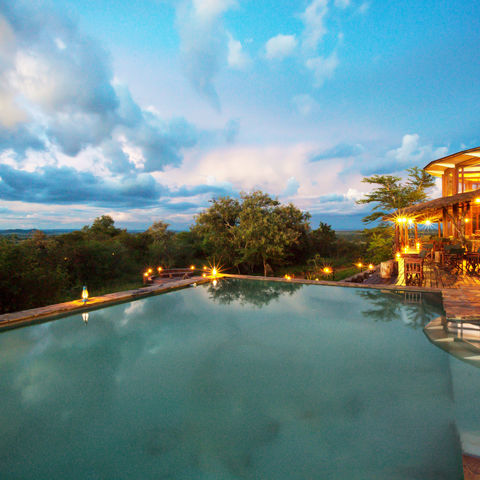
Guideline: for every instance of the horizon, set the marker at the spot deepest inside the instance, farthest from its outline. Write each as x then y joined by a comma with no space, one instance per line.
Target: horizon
145,112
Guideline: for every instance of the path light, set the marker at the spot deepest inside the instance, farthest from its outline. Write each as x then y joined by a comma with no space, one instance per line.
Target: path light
370,266
316,279
149,270
192,267
204,267
204,275
359,265
85,317
84,294
159,269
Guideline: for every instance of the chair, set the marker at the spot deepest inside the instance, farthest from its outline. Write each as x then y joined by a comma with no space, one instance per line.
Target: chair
454,258
413,270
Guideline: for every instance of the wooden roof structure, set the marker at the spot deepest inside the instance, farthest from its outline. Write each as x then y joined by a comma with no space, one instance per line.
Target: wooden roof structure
433,209
464,158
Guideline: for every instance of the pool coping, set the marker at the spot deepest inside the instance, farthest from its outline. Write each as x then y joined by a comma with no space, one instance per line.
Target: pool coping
59,310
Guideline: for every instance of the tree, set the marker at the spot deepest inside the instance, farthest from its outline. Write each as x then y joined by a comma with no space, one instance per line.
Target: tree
324,240
103,226
391,194
162,248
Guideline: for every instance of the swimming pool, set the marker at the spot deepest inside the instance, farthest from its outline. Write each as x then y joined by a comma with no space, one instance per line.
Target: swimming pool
245,380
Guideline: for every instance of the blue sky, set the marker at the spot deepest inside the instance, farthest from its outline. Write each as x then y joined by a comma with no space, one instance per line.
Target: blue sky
146,110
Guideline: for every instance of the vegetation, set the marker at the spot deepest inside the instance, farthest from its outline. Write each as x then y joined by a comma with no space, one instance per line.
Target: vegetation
253,234
389,195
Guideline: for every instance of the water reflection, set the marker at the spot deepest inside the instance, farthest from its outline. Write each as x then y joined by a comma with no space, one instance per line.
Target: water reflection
412,308
307,387
258,293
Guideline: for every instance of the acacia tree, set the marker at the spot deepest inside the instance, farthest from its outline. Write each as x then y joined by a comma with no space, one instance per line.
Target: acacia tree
391,194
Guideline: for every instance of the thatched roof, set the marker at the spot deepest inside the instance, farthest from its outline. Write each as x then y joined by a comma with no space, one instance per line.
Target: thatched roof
433,208
464,158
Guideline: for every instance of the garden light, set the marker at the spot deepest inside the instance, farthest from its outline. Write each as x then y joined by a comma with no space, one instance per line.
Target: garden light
192,267
84,294
371,266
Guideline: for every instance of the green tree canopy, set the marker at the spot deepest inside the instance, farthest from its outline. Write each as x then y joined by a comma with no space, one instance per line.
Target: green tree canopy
391,194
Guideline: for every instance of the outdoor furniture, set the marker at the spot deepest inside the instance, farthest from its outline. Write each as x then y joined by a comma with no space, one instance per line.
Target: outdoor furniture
472,262
413,270
454,258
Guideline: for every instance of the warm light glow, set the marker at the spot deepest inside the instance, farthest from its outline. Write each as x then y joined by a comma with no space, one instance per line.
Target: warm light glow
149,270
192,267
418,245
287,277
428,222
204,275
145,274
204,267
370,266
327,270
398,255
405,249
214,271
316,279
85,317
359,264
214,282
159,269
410,221
467,220
477,200
84,294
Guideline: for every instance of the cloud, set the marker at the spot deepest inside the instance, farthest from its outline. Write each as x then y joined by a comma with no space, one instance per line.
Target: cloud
342,3
280,46
305,104
203,43
237,58
322,68
410,153
291,188
342,150
314,20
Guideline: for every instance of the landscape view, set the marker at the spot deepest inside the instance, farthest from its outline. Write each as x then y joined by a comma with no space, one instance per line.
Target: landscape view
229,208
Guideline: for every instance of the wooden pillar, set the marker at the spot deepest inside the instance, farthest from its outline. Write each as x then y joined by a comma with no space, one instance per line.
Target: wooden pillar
397,239
455,215
439,224
416,233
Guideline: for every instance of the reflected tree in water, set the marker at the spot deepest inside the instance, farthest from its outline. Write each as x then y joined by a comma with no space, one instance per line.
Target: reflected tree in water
256,293
413,308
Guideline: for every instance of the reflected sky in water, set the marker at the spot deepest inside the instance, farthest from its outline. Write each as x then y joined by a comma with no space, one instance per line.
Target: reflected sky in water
247,380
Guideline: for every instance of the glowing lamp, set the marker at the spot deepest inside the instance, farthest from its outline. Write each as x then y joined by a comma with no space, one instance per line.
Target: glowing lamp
405,249
192,267
370,266
214,271
327,270
398,255
204,275
428,222
418,245
204,267
145,274
149,270
84,294
477,200
316,279
410,221
359,264
467,220
159,269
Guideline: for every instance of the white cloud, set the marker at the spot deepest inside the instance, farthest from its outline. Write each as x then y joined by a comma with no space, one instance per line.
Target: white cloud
322,68
305,104
208,9
411,152
237,58
280,46
342,3
363,8
314,19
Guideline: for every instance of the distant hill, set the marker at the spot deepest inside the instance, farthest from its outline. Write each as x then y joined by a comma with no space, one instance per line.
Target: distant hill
25,233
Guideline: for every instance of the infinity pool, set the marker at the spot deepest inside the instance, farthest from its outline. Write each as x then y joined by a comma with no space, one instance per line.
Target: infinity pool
245,380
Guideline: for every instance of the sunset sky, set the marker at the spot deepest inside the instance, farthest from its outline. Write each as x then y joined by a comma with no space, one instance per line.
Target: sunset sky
146,110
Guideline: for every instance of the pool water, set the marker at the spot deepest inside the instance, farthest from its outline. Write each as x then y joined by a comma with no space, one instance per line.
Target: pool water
245,380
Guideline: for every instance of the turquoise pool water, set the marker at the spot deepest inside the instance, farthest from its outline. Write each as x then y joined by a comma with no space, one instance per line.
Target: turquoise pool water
248,380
